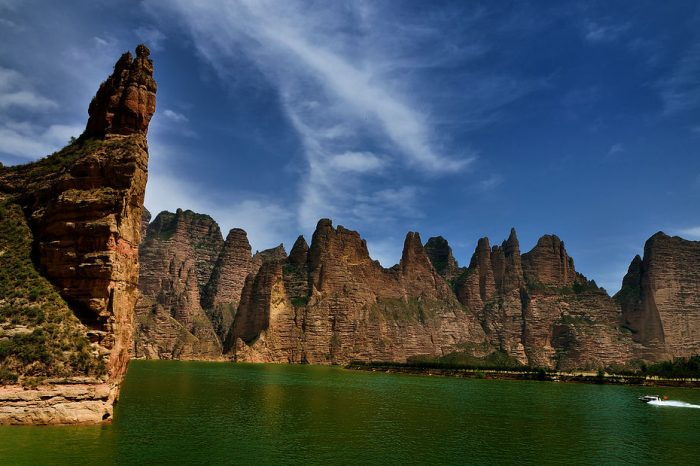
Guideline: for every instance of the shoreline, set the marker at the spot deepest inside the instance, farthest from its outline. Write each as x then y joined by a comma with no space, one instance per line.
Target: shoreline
548,376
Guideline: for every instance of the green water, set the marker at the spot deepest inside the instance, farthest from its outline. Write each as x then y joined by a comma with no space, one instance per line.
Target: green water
218,413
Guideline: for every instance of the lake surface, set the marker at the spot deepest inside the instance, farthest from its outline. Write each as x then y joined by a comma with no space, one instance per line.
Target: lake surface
220,413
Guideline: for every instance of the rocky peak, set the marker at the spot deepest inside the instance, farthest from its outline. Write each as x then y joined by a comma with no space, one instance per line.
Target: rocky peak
511,245
633,277
299,253
329,243
126,101
198,231
660,296
549,264
276,254
477,284
440,254
418,275
83,212
506,263
232,267
145,220
413,253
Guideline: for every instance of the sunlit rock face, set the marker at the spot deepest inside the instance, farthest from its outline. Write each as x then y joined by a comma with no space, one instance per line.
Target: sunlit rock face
660,297
84,206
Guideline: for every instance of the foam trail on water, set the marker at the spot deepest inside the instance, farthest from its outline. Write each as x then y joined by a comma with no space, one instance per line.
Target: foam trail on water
676,404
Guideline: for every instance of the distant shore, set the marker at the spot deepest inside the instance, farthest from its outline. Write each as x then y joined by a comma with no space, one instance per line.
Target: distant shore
541,375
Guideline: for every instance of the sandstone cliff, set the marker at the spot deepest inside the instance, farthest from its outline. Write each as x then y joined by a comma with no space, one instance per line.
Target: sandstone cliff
537,309
660,297
73,225
332,303
191,284
177,259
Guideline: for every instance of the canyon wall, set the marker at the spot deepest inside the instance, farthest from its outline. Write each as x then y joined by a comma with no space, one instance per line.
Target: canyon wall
71,227
330,303
191,282
660,297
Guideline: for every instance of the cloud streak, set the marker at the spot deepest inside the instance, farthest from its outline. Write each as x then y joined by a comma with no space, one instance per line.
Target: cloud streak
680,92
357,121
691,232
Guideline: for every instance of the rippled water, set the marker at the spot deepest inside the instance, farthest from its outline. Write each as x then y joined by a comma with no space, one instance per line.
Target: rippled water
191,412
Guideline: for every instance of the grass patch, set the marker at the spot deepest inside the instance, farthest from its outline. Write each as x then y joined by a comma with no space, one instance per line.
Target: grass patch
39,335
412,309
300,301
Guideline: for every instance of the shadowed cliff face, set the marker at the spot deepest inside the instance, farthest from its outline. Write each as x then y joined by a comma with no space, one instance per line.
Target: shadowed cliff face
537,309
331,303
660,297
339,305
191,284
84,206
177,258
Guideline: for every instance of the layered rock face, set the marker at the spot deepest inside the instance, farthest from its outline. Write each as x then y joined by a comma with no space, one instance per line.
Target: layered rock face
191,284
351,307
548,263
440,254
223,291
330,303
83,206
126,101
492,287
660,297
537,309
177,256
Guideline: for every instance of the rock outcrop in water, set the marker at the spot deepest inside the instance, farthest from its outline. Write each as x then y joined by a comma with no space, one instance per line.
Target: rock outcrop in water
72,226
660,297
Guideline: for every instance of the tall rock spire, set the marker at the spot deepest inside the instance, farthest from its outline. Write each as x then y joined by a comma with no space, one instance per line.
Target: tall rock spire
126,101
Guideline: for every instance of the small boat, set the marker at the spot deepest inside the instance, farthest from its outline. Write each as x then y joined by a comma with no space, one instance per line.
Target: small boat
648,398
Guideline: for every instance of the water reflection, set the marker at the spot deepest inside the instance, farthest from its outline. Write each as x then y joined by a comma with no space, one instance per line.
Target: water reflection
177,412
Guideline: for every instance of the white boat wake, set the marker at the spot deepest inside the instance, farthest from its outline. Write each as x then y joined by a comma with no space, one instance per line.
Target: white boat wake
676,404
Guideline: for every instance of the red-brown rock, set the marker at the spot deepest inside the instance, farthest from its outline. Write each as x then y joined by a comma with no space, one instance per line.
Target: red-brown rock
660,297
126,101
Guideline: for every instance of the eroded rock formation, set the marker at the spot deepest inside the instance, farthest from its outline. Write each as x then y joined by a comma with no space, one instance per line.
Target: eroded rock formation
126,101
177,257
83,206
351,308
329,303
660,297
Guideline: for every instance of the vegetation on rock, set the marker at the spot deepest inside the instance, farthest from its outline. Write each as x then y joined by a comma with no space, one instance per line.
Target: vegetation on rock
39,335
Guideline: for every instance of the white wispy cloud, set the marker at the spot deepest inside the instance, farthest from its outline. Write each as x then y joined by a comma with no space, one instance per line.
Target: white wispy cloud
177,117
690,232
8,24
265,220
491,182
360,162
385,250
30,141
681,90
19,136
15,91
616,148
356,117
9,4
599,32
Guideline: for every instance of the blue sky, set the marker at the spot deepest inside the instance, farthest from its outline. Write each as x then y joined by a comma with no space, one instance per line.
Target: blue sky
458,119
